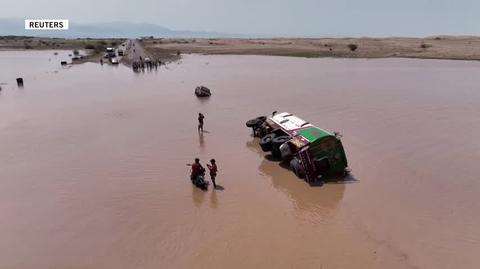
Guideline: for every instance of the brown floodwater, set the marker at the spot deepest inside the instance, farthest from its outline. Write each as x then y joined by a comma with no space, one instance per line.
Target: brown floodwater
93,174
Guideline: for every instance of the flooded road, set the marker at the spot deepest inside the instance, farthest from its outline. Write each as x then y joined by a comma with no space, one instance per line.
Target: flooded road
93,174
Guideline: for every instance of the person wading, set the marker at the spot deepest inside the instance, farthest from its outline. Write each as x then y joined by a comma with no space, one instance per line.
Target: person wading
212,167
200,122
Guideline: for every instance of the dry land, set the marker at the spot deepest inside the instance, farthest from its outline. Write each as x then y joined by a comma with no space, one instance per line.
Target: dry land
440,47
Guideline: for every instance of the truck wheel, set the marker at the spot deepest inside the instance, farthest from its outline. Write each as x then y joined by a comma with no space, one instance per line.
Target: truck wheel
255,123
266,142
261,131
297,168
277,142
286,152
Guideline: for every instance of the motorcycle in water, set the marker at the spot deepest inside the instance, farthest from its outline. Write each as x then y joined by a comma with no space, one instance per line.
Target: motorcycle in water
200,182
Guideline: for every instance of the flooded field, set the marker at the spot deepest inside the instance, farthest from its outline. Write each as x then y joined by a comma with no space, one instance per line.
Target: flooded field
93,165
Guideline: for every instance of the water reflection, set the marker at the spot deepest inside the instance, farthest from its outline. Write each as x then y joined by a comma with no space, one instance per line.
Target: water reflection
203,99
201,140
213,199
304,196
198,196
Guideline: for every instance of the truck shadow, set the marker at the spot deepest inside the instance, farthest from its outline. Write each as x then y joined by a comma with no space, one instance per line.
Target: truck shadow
348,179
315,201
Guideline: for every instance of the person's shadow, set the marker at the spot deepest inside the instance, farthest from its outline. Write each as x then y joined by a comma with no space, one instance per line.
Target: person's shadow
213,200
201,139
219,188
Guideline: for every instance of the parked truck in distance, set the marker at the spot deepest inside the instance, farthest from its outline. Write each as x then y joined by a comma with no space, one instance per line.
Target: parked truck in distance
110,52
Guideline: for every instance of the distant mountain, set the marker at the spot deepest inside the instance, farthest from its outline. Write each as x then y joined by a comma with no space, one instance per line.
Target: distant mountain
119,29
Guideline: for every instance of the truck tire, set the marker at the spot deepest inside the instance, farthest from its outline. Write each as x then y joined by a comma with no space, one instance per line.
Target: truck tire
297,167
286,152
261,131
277,142
266,142
255,123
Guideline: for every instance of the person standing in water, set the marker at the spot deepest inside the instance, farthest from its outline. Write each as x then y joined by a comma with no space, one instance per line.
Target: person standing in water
200,122
212,167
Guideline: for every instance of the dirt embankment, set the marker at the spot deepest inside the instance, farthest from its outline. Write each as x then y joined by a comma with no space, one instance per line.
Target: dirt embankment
147,47
441,47
167,50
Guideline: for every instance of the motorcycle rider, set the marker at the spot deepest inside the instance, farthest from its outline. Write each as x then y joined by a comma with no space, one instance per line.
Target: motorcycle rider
197,170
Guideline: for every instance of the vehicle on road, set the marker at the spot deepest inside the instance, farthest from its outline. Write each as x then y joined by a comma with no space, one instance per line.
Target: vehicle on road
311,152
111,52
114,60
77,57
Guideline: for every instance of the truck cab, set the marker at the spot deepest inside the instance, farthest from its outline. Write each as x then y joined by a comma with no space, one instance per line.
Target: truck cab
111,52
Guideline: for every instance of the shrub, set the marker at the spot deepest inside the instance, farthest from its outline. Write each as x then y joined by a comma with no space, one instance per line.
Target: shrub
89,47
76,52
353,47
425,46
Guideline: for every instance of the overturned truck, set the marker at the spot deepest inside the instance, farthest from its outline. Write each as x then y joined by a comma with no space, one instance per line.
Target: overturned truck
312,153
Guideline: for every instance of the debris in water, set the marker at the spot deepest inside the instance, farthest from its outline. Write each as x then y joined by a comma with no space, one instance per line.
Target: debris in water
202,91
20,82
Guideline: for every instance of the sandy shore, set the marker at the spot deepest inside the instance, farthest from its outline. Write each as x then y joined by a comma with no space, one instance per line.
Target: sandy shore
441,47
458,48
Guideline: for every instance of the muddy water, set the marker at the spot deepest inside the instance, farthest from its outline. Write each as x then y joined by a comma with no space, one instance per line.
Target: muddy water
93,174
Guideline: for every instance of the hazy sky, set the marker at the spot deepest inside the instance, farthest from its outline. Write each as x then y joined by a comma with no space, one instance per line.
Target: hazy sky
275,17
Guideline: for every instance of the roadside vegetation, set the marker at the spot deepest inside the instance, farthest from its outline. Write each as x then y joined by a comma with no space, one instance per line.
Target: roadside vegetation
425,46
353,47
